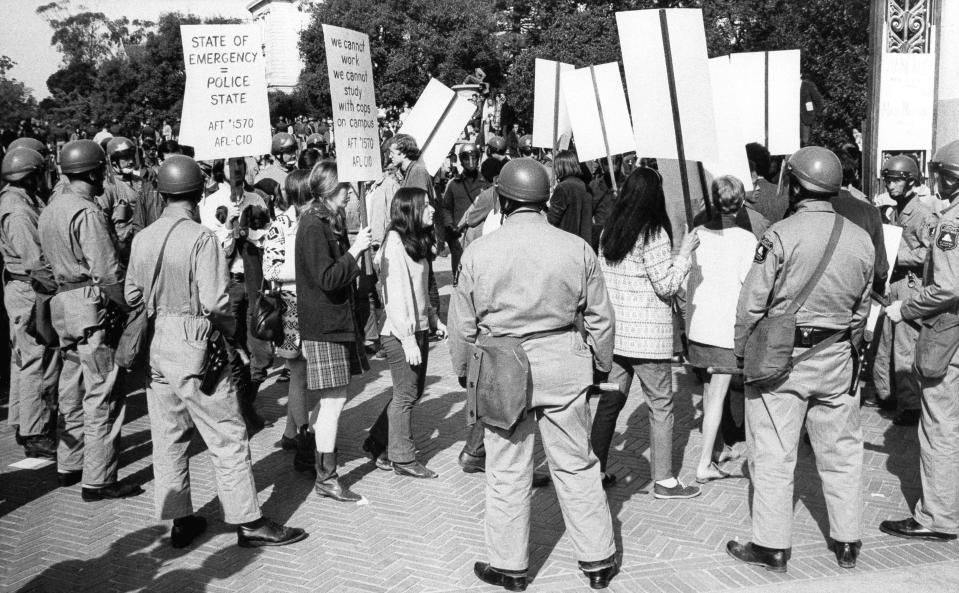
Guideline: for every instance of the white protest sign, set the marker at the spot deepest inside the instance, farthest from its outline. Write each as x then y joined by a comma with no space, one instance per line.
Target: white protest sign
906,92
891,237
598,112
766,86
550,114
667,76
350,70
225,110
731,159
436,121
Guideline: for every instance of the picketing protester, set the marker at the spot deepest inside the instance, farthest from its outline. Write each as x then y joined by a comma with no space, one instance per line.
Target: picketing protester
326,266
571,205
717,271
279,267
403,268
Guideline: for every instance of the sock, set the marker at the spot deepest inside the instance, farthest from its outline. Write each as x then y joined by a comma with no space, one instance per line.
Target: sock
668,483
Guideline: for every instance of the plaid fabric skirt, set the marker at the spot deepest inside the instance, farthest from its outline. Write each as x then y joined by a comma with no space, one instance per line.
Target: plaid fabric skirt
330,364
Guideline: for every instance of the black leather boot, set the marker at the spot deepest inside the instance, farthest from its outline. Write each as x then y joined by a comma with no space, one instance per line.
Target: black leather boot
847,553
750,553
601,572
511,580
304,458
328,482
254,422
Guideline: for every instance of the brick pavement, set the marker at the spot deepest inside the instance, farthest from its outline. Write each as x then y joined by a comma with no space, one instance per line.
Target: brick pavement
423,536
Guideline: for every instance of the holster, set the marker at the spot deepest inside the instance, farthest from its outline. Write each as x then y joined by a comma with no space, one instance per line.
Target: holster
499,385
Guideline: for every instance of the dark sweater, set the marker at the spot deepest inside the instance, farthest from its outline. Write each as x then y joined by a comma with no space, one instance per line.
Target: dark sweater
325,272
866,216
571,208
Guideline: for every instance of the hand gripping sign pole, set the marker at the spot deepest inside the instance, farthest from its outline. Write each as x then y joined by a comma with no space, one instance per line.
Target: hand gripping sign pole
350,72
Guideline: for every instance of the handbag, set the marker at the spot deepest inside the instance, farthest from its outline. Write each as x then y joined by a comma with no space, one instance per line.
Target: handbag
268,314
768,355
135,338
936,346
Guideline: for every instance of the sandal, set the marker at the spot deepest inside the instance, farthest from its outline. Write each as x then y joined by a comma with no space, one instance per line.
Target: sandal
720,474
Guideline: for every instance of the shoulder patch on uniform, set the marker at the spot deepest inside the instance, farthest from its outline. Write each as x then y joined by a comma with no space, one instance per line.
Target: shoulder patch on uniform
948,234
762,250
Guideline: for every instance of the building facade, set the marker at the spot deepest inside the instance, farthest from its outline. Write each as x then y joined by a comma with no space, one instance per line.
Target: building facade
281,22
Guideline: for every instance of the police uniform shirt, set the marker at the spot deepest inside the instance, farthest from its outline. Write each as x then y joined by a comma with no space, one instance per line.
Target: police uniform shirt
76,241
940,285
561,279
917,220
786,258
19,237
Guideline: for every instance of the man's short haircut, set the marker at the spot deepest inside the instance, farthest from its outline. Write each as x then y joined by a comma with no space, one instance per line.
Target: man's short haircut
728,194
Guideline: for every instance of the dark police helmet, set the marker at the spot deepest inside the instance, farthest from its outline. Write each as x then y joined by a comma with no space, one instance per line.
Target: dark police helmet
31,143
21,162
817,169
523,180
81,156
900,167
179,174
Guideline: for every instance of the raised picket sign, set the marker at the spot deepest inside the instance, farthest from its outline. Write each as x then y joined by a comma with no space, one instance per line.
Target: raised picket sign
766,87
732,159
550,114
907,84
436,121
226,113
667,76
350,71
598,111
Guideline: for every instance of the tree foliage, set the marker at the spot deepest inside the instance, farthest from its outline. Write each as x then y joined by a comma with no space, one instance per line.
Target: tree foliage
89,37
16,100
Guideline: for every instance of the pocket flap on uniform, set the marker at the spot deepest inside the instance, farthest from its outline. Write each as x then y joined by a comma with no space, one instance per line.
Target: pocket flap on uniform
502,384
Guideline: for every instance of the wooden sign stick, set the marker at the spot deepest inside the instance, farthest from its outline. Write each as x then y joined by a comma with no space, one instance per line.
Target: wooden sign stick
555,121
677,123
360,188
602,126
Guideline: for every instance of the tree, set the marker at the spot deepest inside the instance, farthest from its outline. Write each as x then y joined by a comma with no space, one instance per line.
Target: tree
89,37
409,43
16,100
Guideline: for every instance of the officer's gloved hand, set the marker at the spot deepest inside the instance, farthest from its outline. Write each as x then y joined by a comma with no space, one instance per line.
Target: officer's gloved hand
462,380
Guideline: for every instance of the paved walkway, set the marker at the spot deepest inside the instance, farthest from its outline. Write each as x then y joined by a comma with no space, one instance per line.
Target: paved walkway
423,536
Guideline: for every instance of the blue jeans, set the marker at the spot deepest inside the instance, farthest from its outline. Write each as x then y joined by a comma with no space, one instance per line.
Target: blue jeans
393,429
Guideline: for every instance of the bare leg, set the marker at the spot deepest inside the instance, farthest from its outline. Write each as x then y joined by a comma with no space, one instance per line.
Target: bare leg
326,416
713,397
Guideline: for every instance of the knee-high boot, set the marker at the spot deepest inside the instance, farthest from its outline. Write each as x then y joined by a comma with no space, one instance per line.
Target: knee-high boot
304,459
328,482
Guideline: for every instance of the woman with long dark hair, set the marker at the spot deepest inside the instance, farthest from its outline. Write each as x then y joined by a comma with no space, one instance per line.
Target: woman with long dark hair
571,206
642,277
326,270
403,267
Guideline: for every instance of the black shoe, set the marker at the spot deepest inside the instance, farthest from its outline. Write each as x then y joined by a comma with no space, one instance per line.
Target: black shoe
750,553
21,441
511,580
907,418
608,481
286,443
912,529
71,478
600,573
185,530
117,490
266,532
40,446
414,469
376,454
846,553
541,480
472,464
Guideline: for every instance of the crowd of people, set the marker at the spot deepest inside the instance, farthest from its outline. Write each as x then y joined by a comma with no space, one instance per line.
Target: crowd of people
127,262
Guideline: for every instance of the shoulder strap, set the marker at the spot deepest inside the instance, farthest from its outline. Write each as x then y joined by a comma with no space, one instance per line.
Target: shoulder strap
159,264
817,274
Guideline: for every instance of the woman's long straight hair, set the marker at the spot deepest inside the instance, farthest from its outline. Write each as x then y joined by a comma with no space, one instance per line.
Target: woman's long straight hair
406,218
640,211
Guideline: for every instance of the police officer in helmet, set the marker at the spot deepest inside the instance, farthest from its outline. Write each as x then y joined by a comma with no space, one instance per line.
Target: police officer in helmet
82,253
795,277
35,369
178,272
501,328
936,516
460,194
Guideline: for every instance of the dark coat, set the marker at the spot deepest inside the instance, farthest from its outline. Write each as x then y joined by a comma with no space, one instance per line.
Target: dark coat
571,208
866,216
325,274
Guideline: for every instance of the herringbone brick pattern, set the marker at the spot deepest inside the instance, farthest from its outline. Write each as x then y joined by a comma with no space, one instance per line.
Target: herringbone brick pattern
423,536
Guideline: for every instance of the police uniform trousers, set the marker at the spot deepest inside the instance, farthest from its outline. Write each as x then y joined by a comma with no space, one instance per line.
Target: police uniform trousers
938,509
34,368
561,369
91,412
892,369
177,406
816,390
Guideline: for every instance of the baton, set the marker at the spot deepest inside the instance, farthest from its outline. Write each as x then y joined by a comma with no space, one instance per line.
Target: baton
724,370
879,298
